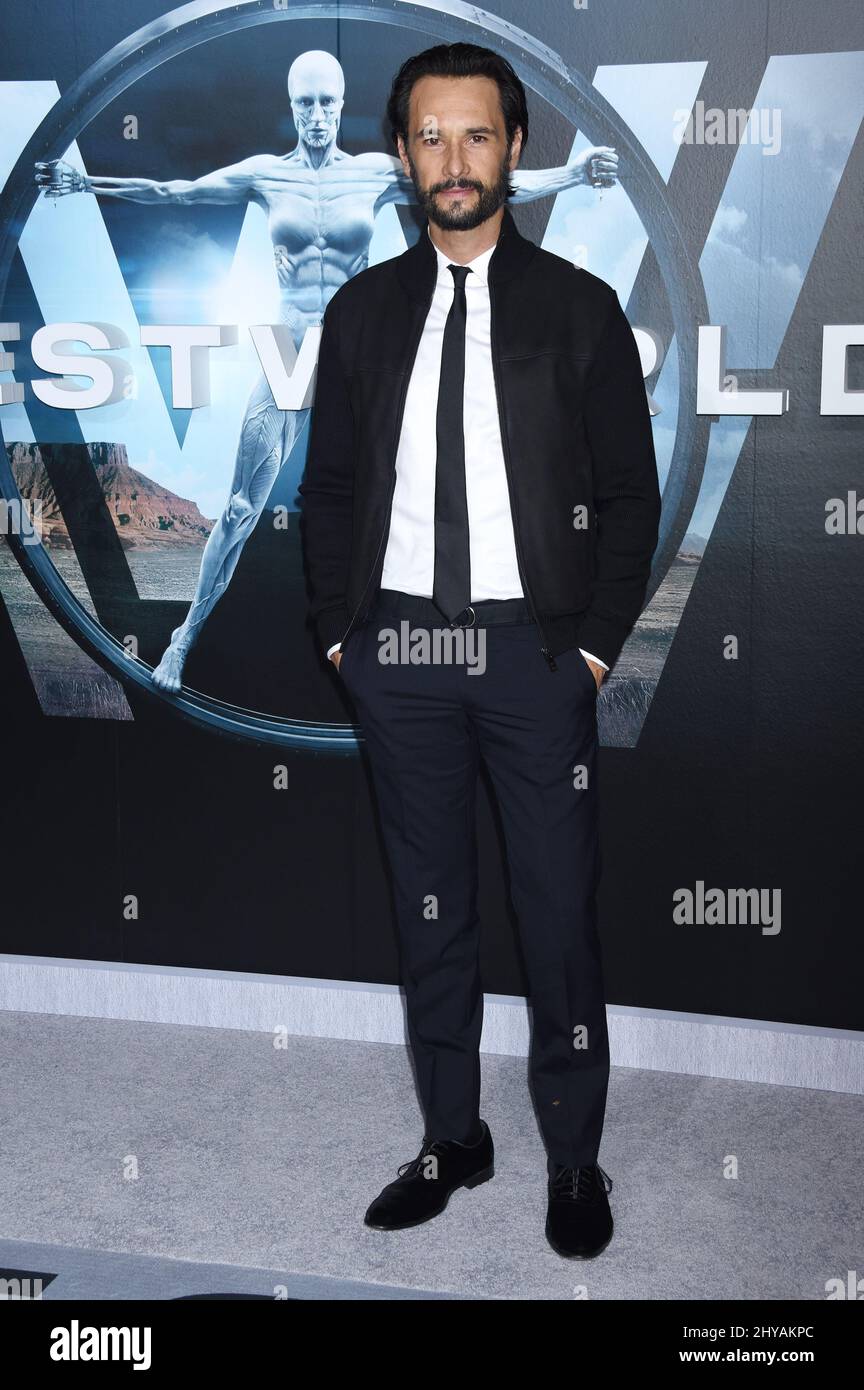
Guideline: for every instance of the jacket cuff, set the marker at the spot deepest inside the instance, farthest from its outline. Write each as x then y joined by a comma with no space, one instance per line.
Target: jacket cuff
603,636
331,624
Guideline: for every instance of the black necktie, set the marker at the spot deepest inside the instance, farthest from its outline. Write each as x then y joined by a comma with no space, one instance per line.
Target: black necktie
451,589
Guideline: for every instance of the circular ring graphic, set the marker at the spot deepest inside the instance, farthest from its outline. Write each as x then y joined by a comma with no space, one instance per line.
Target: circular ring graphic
566,90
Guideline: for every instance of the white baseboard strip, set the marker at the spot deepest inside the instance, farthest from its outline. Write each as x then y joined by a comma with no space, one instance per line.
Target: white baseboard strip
781,1054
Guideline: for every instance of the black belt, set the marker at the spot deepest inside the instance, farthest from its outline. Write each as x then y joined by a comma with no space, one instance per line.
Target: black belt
483,613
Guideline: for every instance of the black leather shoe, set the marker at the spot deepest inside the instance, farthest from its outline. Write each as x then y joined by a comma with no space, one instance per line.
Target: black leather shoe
424,1185
579,1222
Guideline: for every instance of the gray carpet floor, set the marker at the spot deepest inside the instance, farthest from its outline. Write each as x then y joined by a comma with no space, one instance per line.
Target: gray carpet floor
214,1148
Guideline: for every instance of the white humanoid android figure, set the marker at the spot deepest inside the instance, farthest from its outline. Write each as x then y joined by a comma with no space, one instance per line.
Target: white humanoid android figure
321,205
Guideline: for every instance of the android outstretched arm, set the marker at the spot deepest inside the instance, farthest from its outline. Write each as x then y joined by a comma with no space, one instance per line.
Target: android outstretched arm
233,184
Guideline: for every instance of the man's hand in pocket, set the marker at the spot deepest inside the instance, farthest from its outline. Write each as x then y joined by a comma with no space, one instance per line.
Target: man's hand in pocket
598,672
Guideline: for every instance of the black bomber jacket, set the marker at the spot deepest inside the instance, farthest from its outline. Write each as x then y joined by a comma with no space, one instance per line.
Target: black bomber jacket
575,431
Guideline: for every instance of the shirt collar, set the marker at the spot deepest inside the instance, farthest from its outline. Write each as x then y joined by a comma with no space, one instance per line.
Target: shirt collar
479,266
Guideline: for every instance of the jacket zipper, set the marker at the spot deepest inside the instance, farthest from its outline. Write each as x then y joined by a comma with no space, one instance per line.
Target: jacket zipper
553,665
397,433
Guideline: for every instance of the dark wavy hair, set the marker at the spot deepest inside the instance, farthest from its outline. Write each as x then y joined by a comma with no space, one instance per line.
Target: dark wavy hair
458,60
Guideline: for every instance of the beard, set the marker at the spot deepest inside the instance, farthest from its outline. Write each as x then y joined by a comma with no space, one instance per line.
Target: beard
463,217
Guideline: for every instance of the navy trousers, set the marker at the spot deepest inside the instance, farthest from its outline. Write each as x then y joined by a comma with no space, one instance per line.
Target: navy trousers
426,725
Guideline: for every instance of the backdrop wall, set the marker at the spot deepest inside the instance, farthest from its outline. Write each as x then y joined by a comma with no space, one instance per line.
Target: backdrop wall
232,828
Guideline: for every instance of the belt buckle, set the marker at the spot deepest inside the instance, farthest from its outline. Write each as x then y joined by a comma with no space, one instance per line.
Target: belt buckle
466,609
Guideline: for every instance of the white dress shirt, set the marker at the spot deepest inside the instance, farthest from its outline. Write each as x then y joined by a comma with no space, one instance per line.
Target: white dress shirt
409,560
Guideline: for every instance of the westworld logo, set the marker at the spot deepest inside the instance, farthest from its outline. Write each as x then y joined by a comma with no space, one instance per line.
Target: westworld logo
544,73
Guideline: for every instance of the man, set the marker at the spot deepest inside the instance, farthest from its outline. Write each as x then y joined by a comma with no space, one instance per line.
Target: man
481,457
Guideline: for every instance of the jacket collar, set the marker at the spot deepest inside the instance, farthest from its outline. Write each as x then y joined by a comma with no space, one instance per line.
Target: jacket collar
418,266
